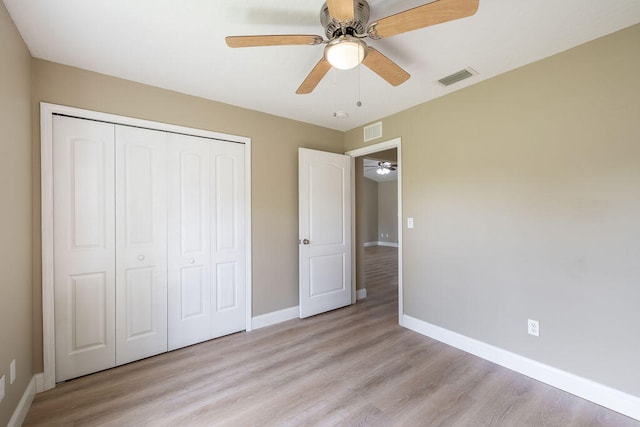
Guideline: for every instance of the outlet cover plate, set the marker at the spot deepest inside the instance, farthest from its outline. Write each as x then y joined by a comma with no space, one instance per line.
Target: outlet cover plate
533,327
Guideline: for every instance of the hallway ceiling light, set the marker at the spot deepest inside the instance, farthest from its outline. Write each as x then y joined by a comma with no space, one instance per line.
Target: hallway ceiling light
383,170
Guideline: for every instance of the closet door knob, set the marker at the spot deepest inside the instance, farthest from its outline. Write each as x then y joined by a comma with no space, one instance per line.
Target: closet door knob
140,257
191,261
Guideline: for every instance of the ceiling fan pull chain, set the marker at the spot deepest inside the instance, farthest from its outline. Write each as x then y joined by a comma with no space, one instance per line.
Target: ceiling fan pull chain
335,101
359,103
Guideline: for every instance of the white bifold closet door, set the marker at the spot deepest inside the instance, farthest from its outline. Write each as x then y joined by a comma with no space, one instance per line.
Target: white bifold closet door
189,248
84,246
206,240
141,243
228,299
149,242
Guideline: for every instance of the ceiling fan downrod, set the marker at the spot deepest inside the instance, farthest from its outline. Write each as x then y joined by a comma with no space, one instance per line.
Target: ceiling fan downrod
357,27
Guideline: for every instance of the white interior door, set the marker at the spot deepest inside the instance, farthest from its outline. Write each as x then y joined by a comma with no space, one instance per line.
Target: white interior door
189,241
228,249
141,243
84,246
324,187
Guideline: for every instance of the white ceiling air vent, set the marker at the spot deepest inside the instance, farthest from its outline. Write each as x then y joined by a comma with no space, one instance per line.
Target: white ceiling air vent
372,131
457,76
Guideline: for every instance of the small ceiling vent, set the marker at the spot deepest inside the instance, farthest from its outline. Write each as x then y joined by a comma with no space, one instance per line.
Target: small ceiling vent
456,77
372,131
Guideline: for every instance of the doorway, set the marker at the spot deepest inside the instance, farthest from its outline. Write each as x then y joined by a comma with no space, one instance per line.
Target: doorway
377,237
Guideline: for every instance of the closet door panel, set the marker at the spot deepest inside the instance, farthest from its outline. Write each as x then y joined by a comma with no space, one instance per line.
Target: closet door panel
228,238
84,246
189,244
141,243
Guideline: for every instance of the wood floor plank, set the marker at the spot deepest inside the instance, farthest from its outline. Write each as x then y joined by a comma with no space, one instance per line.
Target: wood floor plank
349,367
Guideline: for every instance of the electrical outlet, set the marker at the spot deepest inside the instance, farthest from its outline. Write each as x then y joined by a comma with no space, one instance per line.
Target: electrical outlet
533,327
409,222
1,388
12,371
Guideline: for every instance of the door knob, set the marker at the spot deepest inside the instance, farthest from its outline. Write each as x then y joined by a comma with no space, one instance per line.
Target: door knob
305,241
140,257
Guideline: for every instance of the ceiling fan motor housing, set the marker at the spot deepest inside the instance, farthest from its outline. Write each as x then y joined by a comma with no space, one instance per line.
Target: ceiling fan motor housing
334,28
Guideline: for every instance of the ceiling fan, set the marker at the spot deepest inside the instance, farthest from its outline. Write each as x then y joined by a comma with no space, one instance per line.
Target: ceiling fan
383,168
346,24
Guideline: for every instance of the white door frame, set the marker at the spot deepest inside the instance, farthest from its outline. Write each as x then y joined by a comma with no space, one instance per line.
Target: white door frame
47,111
370,149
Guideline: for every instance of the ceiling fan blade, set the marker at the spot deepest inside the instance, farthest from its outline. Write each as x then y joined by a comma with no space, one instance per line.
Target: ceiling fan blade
272,40
314,77
341,10
385,68
422,16
388,165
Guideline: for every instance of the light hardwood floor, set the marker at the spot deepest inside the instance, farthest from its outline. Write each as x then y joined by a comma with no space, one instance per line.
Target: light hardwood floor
353,366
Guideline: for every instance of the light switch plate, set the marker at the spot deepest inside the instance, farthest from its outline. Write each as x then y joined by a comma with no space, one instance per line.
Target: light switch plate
409,222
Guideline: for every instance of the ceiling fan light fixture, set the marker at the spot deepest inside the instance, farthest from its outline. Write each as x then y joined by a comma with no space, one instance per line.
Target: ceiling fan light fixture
382,170
345,52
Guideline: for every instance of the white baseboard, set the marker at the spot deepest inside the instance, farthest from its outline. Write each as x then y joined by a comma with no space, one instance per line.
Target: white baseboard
274,317
603,395
23,406
39,382
361,294
390,244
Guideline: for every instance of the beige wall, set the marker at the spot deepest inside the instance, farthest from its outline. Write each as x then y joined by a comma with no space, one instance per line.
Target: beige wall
274,141
15,214
388,211
370,217
525,191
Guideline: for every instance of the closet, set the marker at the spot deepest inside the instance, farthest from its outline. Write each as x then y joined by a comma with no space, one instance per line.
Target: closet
148,242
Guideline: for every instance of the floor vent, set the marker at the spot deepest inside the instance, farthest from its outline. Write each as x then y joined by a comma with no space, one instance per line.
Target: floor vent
456,77
372,131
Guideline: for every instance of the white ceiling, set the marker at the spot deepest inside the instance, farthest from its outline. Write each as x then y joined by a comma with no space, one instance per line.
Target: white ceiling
370,167
179,45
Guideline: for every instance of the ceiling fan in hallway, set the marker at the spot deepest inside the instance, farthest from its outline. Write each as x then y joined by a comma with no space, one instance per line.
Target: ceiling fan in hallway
346,24
382,167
